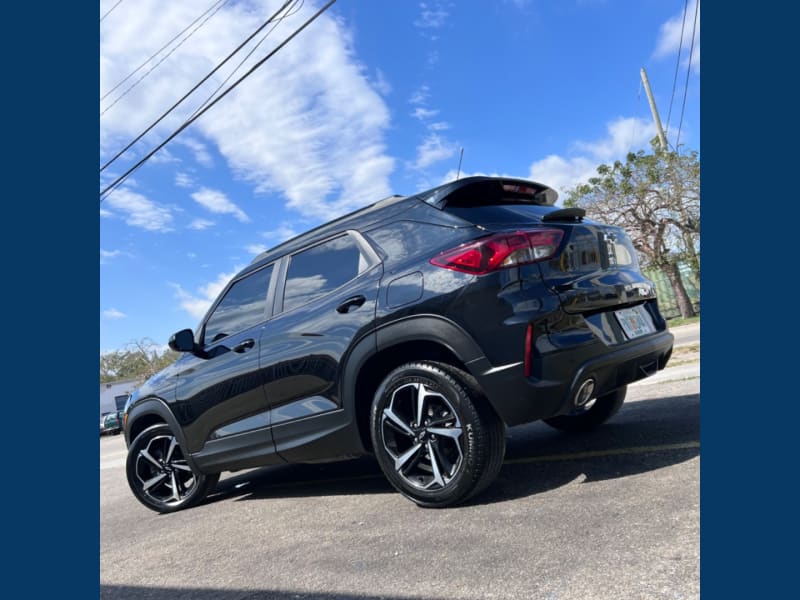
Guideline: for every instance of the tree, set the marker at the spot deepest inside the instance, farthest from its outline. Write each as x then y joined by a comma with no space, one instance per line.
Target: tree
138,359
655,197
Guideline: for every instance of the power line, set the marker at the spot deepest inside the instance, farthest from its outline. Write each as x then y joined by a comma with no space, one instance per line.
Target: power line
109,10
197,85
233,86
291,12
688,71
165,57
157,52
677,63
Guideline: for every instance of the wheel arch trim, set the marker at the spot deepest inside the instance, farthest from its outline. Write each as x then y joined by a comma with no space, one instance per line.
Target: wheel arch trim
157,407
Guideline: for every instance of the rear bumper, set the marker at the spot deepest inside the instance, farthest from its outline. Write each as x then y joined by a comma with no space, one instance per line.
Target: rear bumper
519,399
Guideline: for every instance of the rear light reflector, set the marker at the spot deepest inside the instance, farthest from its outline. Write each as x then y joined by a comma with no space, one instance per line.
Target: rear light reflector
528,343
500,251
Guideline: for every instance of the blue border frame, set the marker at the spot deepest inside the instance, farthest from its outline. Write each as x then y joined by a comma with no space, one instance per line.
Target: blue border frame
51,239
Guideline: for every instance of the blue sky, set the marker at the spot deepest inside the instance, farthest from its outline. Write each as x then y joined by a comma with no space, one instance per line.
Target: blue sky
374,98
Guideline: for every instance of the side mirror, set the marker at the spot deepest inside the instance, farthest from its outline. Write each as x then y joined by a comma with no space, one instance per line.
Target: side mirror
182,341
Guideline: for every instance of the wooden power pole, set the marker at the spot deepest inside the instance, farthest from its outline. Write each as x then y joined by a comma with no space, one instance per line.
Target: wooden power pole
661,137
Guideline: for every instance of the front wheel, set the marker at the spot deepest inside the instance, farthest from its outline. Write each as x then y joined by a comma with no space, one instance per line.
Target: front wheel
159,474
436,438
593,414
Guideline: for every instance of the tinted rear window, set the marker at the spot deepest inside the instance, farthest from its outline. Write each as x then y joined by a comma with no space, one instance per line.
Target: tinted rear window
318,270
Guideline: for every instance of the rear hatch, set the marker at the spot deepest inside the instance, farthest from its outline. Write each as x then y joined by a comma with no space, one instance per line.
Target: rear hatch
595,268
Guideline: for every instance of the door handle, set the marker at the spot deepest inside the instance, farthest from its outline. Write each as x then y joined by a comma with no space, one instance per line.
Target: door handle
245,345
353,302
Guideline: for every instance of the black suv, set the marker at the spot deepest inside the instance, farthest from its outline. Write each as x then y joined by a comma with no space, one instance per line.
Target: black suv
416,329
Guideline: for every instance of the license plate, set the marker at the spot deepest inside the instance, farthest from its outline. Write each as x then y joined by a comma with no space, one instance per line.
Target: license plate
635,322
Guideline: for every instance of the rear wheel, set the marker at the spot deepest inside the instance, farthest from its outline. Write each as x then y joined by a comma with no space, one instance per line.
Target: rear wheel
593,414
160,476
435,436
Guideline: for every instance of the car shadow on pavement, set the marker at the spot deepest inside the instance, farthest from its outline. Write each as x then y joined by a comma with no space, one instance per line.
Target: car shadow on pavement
110,592
644,436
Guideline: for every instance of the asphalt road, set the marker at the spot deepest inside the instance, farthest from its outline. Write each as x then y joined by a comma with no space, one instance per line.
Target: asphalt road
610,514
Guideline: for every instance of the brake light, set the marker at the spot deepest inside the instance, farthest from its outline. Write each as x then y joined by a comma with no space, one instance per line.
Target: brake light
500,251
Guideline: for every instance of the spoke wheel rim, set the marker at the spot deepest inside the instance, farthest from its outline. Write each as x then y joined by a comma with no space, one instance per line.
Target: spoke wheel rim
422,435
164,474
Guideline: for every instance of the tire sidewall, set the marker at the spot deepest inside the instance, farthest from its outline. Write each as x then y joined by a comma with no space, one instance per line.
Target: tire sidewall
141,441
457,395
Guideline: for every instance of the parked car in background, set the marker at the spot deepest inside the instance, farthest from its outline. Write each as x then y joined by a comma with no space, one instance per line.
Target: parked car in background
111,423
416,329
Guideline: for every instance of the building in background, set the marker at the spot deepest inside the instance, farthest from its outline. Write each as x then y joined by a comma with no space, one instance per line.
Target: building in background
114,395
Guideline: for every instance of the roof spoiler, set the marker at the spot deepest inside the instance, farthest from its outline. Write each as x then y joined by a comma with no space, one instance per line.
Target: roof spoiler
475,191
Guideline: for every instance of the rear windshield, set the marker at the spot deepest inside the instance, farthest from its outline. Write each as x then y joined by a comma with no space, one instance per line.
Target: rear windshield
501,213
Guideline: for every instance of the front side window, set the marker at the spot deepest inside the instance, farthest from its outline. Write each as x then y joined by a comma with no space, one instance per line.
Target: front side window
242,307
318,270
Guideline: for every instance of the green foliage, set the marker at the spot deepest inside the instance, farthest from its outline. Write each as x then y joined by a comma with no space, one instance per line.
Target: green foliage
139,359
655,196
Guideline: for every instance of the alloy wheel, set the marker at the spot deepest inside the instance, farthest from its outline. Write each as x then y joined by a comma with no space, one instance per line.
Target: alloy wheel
164,473
422,433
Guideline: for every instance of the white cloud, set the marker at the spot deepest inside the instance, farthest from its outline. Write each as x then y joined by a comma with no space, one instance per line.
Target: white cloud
308,124
283,232
432,15
560,173
199,150
669,37
623,134
198,304
107,255
113,313
140,211
184,180
200,224
256,248
164,156
218,203
432,150
439,126
424,113
105,213
421,95
381,83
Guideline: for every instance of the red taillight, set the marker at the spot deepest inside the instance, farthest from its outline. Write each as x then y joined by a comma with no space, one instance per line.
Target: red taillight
500,251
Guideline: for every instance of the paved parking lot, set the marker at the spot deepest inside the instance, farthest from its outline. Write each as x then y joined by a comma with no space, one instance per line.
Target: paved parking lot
611,514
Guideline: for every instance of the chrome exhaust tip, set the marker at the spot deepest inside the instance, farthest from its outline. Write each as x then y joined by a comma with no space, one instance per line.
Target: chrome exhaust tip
585,392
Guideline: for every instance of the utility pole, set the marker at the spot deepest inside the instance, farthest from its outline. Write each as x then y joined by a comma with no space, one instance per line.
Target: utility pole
661,137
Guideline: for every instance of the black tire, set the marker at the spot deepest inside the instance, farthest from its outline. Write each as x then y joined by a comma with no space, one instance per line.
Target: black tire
593,415
463,434
161,478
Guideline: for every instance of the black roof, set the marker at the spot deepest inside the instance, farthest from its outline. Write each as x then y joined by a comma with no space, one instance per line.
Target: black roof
437,197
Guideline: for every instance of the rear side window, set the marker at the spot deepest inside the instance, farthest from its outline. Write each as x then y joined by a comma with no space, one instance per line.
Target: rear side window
402,241
315,272
243,306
